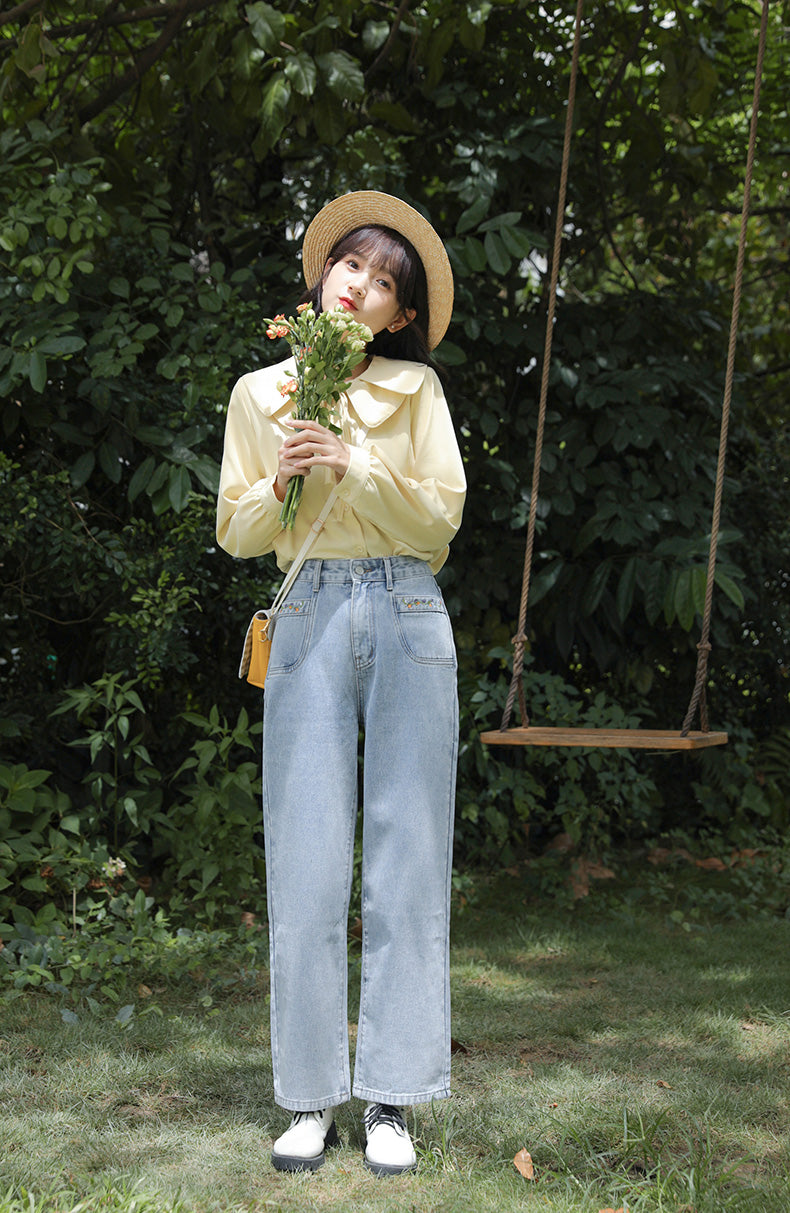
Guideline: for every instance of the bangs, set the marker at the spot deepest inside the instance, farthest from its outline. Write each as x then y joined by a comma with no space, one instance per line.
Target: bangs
387,250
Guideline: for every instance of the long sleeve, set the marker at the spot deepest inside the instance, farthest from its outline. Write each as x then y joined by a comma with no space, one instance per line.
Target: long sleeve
413,488
247,510
404,490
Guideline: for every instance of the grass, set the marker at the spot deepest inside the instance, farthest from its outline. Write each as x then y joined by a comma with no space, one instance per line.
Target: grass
643,1061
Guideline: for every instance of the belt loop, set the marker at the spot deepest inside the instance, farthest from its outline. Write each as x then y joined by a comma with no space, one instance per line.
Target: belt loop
317,575
388,569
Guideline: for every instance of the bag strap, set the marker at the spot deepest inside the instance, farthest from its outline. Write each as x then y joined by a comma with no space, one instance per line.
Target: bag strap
315,530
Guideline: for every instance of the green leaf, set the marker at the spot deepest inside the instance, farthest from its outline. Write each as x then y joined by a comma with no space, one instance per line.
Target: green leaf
125,1013
274,108
179,488
374,34
595,587
506,220
699,584
60,345
393,114
141,477
82,469
267,25
207,471
37,371
343,75
110,462
210,873
474,254
730,588
546,579
496,253
302,73
472,216
683,600
625,589
330,120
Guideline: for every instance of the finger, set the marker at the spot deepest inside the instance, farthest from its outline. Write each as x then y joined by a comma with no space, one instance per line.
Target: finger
297,423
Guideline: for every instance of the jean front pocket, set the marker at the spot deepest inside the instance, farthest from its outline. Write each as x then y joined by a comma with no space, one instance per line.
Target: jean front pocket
424,628
291,637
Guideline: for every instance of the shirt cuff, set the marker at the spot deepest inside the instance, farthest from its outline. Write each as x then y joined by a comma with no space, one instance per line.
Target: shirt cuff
352,484
263,493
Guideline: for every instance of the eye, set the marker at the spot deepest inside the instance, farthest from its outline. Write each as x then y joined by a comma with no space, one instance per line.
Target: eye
386,283
352,263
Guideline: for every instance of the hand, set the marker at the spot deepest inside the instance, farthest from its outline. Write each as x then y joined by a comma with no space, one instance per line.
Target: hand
310,446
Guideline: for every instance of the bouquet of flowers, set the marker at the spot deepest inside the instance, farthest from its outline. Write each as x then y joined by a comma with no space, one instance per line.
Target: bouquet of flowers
326,349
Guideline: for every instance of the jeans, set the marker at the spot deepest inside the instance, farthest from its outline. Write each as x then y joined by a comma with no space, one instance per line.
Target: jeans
363,643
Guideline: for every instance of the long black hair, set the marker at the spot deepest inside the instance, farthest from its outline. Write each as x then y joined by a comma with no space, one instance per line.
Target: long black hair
394,254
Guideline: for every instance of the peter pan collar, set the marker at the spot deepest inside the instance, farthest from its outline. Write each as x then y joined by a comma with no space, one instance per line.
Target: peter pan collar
386,382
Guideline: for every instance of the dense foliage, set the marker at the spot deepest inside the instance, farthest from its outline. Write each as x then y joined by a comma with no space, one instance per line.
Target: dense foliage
157,166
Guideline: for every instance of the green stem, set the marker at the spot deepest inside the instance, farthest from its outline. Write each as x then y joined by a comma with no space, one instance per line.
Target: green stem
293,495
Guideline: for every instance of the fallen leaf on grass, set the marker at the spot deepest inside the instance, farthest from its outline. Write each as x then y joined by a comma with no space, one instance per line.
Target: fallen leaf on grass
457,1047
585,870
561,843
523,1164
144,991
248,920
663,854
620,1210
742,858
661,1083
712,865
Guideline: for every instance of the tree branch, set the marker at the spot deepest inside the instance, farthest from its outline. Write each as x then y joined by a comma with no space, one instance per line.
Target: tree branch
13,14
604,106
151,12
384,53
146,59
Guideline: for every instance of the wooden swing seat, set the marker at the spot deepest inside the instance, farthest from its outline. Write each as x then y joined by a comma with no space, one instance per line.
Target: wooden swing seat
637,739
624,739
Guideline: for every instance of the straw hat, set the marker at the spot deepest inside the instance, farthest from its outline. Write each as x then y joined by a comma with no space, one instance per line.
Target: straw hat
366,207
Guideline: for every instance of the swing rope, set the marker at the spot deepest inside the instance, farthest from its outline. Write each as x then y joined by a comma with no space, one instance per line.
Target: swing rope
698,698
520,639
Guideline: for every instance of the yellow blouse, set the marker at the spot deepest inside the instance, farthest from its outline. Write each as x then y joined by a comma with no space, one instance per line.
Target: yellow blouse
402,494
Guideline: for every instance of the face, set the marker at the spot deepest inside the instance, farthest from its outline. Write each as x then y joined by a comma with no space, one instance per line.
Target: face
366,291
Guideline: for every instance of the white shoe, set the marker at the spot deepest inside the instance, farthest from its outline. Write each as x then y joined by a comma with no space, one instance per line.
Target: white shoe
301,1146
388,1148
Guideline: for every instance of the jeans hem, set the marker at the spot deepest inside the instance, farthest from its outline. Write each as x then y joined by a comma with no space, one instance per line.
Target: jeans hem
312,1105
400,1100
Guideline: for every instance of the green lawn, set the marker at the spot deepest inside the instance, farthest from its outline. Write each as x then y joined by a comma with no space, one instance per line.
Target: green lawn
643,1062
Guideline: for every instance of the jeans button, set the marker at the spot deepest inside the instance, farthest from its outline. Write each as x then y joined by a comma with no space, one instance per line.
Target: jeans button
359,569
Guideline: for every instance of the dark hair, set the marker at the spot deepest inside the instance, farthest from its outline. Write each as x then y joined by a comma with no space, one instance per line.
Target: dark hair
397,256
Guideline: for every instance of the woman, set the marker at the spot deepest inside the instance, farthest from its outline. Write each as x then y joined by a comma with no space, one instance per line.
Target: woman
363,643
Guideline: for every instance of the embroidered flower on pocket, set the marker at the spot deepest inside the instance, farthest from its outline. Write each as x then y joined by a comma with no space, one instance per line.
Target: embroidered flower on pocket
420,604
293,608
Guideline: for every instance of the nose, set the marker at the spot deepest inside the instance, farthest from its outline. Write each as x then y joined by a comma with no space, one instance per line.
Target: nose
357,285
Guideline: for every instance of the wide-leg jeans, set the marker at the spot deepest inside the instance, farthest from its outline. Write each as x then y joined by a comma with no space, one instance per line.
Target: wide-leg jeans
362,643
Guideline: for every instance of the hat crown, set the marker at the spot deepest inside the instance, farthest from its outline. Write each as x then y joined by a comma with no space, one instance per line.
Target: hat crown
371,208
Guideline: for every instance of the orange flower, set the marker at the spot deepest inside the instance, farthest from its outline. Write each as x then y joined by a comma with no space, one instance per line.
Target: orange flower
286,389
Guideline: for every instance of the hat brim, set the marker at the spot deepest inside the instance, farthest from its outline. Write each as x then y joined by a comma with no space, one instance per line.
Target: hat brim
365,207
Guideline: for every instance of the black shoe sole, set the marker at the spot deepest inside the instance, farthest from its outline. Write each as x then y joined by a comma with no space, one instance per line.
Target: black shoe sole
287,1162
380,1169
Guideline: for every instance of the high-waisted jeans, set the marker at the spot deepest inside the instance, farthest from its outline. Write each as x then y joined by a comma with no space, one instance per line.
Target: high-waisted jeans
363,643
